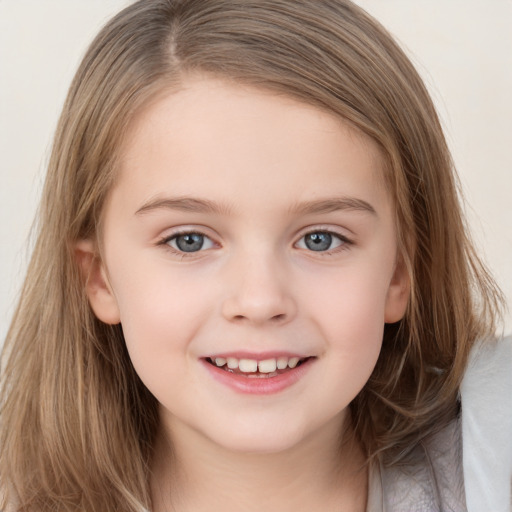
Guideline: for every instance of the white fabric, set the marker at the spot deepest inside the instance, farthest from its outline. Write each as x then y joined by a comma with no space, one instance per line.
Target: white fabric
486,395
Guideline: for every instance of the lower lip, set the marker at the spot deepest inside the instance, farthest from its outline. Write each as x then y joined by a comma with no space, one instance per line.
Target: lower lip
259,385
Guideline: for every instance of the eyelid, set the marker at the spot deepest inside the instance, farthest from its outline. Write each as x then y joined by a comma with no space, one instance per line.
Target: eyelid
164,240
346,241
206,241
188,230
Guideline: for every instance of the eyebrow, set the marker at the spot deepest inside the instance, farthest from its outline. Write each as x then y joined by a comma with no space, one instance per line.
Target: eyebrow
196,205
333,205
185,204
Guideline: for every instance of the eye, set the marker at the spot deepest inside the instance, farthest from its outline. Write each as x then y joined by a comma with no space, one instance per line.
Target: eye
321,241
189,242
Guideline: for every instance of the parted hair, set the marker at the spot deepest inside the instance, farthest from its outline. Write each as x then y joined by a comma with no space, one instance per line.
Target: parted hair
77,425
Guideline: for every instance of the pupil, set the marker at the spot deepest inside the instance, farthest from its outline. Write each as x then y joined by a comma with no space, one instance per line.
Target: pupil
318,241
190,243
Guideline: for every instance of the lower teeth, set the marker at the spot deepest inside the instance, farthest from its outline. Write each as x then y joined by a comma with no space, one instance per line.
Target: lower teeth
261,375
252,375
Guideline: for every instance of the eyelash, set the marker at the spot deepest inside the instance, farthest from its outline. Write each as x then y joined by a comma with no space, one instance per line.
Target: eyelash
345,242
165,241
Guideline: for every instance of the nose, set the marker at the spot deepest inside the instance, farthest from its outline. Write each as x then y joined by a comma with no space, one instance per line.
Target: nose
259,292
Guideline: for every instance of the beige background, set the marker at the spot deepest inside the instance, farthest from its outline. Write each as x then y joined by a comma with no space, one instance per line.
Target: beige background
461,47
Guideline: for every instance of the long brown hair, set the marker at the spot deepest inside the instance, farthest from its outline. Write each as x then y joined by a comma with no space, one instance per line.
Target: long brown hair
77,425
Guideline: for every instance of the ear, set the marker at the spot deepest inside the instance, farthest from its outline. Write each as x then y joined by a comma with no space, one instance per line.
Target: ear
398,293
97,287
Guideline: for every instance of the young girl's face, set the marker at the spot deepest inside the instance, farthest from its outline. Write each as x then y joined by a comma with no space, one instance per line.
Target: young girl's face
247,230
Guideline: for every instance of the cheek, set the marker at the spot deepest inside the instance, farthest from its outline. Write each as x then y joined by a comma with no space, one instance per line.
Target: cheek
353,299
160,311
349,316
159,322
350,313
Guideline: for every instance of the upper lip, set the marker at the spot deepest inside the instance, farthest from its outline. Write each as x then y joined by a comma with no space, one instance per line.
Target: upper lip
258,356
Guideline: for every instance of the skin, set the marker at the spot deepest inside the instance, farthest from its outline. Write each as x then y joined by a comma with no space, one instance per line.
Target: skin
263,161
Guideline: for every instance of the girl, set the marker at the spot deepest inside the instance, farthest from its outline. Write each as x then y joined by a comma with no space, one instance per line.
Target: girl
252,286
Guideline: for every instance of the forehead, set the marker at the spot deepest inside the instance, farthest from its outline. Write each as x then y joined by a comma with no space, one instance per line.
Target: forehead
216,137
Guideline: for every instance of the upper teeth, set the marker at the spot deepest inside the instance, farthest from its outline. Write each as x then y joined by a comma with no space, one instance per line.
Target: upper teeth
252,365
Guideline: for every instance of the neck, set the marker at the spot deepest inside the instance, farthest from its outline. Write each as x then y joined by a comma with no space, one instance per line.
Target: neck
326,472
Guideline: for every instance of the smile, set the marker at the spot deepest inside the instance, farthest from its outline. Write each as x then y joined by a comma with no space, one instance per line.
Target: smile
258,376
257,369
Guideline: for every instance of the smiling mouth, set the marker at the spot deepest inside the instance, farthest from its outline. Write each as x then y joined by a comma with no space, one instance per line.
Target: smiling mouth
252,368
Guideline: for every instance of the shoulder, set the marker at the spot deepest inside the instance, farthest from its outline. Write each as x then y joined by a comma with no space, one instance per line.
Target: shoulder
487,426
467,466
430,480
443,455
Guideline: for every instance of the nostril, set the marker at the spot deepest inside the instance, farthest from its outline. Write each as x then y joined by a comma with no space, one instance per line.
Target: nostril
257,309
275,318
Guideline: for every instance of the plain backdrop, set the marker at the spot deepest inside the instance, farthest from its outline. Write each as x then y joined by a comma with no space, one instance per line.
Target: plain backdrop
462,48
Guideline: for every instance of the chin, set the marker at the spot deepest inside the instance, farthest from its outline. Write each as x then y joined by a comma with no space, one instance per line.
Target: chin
260,444
258,437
